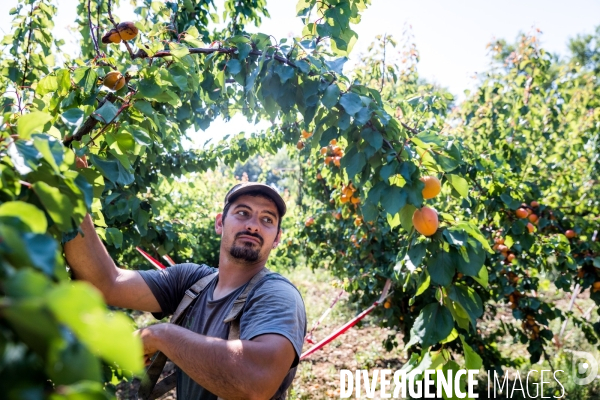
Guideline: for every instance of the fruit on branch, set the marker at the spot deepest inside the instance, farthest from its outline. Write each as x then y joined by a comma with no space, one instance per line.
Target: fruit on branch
530,227
534,204
596,286
124,31
114,80
387,304
522,213
570,234
309,221
300,145
425,221
432,187
532,218
306,134
510,257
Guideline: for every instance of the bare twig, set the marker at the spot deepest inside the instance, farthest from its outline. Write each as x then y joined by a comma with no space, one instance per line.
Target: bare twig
408,128
383,64
573,297
92,34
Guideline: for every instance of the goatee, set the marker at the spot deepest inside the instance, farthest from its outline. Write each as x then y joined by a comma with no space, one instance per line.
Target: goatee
244,253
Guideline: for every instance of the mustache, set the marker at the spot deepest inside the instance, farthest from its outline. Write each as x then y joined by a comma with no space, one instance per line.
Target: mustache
256,235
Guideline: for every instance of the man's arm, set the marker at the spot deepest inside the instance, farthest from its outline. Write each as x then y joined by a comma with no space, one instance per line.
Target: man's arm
232,369
89,260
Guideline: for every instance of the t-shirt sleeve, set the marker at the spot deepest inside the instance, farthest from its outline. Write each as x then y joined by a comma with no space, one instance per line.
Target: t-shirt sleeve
275,307
169,285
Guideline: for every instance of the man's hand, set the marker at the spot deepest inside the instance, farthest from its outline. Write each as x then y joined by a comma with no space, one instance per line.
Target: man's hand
232,369
148,336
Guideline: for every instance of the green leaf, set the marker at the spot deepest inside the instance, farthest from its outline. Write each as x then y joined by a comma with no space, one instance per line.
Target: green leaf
423,283
451,337
113,170
469,300
351,103
449,159
476,258
73,117
234,66
482,278
141,136
415,256
433,324
472,359
125,141
373,137
106,113
114,237
456,237
32,218
337,65
459,184
46,85
86,78
331,96
58,206
178,50
441,268
475,234
406,215
32,123
458,313
79,306
353,162
393,199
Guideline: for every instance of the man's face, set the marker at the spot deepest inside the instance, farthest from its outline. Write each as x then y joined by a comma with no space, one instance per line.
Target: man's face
250,229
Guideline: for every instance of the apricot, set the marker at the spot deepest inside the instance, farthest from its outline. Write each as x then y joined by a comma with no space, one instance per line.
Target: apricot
570,234
532,218
323,150
387,304
124,31
522,213
309,221
306,134
510,257
425,221
530,227
432,186
535,204
300,145
114,80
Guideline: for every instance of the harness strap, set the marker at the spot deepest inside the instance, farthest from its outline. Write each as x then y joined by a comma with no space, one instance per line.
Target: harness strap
158,363
155,390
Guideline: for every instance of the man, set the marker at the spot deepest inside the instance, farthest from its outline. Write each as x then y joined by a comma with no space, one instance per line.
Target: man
262,363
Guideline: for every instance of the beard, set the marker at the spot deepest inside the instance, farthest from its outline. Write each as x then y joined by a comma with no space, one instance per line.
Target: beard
246,251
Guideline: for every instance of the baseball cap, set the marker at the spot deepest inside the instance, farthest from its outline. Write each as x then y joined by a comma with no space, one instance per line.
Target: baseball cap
247,187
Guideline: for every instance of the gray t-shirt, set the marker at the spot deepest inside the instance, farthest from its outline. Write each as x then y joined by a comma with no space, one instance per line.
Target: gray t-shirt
273,306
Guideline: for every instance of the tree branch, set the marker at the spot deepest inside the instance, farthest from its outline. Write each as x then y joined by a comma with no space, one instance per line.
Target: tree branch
89,125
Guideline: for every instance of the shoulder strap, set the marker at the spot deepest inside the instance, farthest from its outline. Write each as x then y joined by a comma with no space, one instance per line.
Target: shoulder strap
238,305
147,390
190,295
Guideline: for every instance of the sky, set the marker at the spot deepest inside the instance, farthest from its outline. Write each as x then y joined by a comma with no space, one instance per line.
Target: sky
451,36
